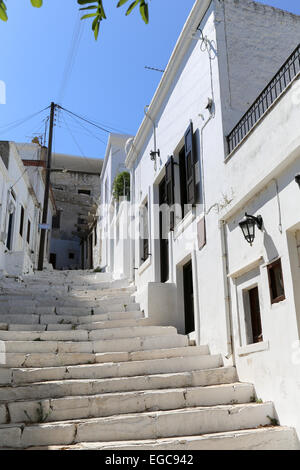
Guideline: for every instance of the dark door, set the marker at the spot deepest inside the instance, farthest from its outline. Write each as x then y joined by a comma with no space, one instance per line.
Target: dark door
10,231
188,298
163,234
53,260
255,315
91,251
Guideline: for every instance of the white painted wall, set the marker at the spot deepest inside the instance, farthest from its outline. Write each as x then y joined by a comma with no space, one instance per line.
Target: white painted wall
115,250
243,44
273,150
28,187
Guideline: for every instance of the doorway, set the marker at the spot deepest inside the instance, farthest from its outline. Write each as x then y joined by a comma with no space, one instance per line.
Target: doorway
188,298
257,336
163,233
10,231
53,260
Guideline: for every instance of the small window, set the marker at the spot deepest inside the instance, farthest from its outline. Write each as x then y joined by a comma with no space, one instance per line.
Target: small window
84,191
276,285
22,221
56,220
71,255
28,231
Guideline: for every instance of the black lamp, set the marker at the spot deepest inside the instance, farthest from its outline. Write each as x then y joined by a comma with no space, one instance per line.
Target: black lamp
248,226
297,179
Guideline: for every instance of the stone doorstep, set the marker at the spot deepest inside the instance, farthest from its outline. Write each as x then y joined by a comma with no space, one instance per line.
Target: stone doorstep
69,387
266,438
109,404
146,425
110,370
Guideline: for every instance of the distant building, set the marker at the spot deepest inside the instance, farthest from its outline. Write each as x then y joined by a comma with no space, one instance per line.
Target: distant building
22,186
114,245
76,187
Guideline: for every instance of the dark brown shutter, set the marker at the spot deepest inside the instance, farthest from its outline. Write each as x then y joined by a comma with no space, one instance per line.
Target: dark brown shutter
189,164
170,190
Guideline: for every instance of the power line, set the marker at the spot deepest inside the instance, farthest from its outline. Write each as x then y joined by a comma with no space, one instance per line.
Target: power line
86,120
76,38
107,129
86,129
19,122
80,149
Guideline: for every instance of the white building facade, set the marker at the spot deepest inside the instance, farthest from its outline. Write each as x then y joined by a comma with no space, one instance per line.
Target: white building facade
191,264
114,215
22,188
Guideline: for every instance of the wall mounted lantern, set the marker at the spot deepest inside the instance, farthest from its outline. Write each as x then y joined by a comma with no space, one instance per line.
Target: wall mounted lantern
248,226
154,154
297,179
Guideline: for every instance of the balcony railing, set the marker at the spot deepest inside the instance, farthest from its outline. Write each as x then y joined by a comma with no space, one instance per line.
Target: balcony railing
273,90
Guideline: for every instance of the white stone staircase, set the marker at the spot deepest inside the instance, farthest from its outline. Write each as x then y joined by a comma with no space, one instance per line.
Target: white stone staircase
81,368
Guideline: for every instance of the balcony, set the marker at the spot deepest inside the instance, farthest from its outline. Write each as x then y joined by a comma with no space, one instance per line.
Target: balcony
287,73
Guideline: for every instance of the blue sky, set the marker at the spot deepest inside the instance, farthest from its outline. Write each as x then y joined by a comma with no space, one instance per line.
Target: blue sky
106,82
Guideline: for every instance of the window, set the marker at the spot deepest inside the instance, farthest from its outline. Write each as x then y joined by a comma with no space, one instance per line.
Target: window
71,255
56,220
276,285
28,231
21,221
84,191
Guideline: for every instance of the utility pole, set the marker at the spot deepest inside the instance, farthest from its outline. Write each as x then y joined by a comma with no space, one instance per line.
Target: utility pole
47,190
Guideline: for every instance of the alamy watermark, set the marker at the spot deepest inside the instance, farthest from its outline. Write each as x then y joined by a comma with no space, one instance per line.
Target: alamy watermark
2,92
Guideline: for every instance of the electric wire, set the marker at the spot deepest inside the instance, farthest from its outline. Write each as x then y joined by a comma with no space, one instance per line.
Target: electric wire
71,59
78,146
22,120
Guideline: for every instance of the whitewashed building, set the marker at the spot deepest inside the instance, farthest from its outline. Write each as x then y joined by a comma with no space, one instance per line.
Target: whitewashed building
22,195
115,245
191,264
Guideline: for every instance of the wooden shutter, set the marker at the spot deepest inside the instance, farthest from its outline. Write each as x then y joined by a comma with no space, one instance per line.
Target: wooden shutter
170,190
190,164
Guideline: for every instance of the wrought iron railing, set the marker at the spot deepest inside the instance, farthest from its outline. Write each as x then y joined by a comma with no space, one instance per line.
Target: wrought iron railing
273,90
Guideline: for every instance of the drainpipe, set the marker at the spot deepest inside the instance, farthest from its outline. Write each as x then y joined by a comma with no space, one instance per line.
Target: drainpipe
227,298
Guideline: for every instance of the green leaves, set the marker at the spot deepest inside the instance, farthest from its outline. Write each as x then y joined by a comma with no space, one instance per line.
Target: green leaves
98,15
3,8
3,14
94,9
36,3
144,11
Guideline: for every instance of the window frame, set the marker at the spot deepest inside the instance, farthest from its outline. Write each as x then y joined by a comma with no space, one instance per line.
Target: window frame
270,267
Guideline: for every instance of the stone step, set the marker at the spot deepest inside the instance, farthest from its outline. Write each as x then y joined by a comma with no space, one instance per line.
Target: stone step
266,438
33,360
71,387
17,376
85,326
109,404
86,335
148,425
104,307
34,319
